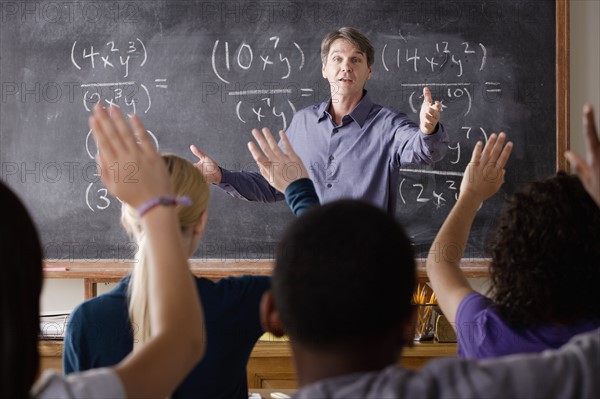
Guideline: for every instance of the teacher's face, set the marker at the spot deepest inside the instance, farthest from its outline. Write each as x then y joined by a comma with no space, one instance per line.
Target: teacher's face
346,69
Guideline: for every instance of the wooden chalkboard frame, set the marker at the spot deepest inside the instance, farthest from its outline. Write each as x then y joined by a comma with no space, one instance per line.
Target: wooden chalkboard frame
94,271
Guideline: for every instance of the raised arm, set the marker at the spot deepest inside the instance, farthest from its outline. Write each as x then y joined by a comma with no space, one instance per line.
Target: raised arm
284,170
483,178
176,317
589,173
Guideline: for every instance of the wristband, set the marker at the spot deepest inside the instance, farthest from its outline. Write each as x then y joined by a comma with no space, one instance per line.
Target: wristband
163,200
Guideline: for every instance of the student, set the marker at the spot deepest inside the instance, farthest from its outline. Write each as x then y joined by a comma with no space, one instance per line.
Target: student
353,147
342,285
178,339
100,332
543,271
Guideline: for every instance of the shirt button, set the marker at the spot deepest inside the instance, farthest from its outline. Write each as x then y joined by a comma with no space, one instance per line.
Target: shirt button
328,185
331,158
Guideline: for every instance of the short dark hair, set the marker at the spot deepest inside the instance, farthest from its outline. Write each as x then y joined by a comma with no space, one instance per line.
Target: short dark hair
546,253
344,273
20,288
354,36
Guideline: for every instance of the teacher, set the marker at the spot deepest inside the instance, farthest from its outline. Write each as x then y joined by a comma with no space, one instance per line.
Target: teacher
352,147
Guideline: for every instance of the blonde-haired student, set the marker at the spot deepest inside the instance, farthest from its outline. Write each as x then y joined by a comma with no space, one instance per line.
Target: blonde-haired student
178,337
103,330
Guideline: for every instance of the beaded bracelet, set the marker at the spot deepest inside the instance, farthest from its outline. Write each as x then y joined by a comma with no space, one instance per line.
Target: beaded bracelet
163,200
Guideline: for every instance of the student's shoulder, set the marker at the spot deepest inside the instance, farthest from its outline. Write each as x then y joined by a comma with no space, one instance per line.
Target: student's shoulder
117,297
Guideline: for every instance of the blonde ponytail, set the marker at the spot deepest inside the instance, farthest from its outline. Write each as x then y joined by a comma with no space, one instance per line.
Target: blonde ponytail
186,180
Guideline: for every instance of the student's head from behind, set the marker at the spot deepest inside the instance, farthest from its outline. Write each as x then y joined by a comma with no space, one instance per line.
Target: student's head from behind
186,181
20,288
344,275
546,254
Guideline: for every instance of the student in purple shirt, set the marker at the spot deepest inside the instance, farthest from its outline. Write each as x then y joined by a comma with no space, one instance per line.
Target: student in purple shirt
544,265
353,147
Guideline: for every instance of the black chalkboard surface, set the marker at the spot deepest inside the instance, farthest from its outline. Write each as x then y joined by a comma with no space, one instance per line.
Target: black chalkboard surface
207,72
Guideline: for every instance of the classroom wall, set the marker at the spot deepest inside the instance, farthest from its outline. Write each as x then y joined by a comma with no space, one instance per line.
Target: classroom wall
585,64
585,87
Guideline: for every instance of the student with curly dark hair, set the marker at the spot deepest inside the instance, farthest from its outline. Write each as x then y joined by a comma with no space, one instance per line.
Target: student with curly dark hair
544,267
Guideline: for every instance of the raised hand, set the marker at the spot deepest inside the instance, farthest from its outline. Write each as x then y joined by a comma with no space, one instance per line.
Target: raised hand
430,112
209,168
484,175
588,173
279,167
131,169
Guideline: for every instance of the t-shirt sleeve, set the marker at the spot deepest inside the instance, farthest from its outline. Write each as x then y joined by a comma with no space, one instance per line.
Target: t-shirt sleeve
570,372
96,383
468,324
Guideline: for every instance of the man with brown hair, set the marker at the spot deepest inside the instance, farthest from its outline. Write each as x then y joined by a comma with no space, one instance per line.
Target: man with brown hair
353,148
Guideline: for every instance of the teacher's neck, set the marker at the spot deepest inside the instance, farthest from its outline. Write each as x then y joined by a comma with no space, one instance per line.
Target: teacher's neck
341,106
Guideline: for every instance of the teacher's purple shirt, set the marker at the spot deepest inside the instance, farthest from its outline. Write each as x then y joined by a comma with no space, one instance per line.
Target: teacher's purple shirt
360,159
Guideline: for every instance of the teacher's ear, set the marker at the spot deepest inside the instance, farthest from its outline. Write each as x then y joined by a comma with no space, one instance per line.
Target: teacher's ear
269,316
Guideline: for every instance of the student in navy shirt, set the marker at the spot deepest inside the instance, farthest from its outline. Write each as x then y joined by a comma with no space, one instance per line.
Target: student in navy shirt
352,147
101,333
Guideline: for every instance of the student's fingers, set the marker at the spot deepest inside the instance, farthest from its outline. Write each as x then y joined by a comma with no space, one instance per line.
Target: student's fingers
270,139
579,166
487,149
263,144
476,155
437,106
122,128
427,95
102,140
497,149
256,153
503,159
142,134
287,146
108,128
589,126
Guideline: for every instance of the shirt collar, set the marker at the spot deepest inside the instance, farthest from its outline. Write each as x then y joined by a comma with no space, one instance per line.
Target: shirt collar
359,113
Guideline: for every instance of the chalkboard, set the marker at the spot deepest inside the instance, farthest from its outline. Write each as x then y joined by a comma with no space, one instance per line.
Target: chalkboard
206,72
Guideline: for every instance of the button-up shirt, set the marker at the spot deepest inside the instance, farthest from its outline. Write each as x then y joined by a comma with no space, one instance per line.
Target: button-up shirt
360,158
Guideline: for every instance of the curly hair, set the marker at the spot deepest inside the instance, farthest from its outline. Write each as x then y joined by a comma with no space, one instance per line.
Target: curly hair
545,255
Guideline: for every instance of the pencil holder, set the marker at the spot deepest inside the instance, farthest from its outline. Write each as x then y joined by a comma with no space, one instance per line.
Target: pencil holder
425,325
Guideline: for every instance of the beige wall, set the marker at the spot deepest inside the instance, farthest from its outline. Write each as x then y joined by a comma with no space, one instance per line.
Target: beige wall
585,64
585,87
